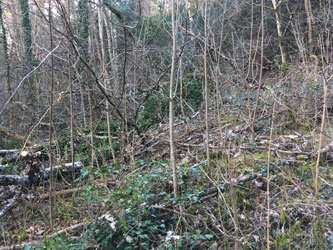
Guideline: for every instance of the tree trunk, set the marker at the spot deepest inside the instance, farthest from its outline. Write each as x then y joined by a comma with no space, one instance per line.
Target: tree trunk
206,85
105,75
279,30
307,6
27,41
171,100
7,62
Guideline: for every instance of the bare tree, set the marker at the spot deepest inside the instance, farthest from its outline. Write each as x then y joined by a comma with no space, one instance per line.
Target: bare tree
7,62
309,20
105,73
51,119
206,82
171,99
261,68
278,18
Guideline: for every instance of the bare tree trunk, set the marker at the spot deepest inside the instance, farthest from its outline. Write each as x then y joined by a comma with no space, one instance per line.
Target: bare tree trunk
261,68
250,66
206,84
70,82
114,74
7,62
299,41
279,30
268,225
171,99
181,88
27,37
105,76
317,185
83,108
51,123
111,46
91,127
307,5
124,93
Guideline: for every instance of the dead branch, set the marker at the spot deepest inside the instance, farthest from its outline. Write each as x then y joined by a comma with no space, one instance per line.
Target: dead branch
65,167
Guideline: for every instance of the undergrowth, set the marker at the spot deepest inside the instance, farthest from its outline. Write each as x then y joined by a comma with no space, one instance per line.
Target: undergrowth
132,207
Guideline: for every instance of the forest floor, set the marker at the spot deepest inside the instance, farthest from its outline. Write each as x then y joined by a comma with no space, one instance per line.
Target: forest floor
223,206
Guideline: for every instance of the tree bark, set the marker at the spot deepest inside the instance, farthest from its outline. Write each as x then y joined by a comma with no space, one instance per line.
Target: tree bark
51,202
7,180
171,100
279,30
206,85
307,5
7,62
27,42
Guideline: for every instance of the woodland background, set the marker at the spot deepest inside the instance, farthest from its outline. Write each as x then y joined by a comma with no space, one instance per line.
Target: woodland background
137,124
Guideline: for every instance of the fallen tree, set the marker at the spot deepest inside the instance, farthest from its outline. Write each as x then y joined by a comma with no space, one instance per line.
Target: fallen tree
32,178
8,151
7,180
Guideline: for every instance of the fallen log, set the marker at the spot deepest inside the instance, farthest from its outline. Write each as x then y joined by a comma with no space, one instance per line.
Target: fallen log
7,180
8,151
66,167
11,158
